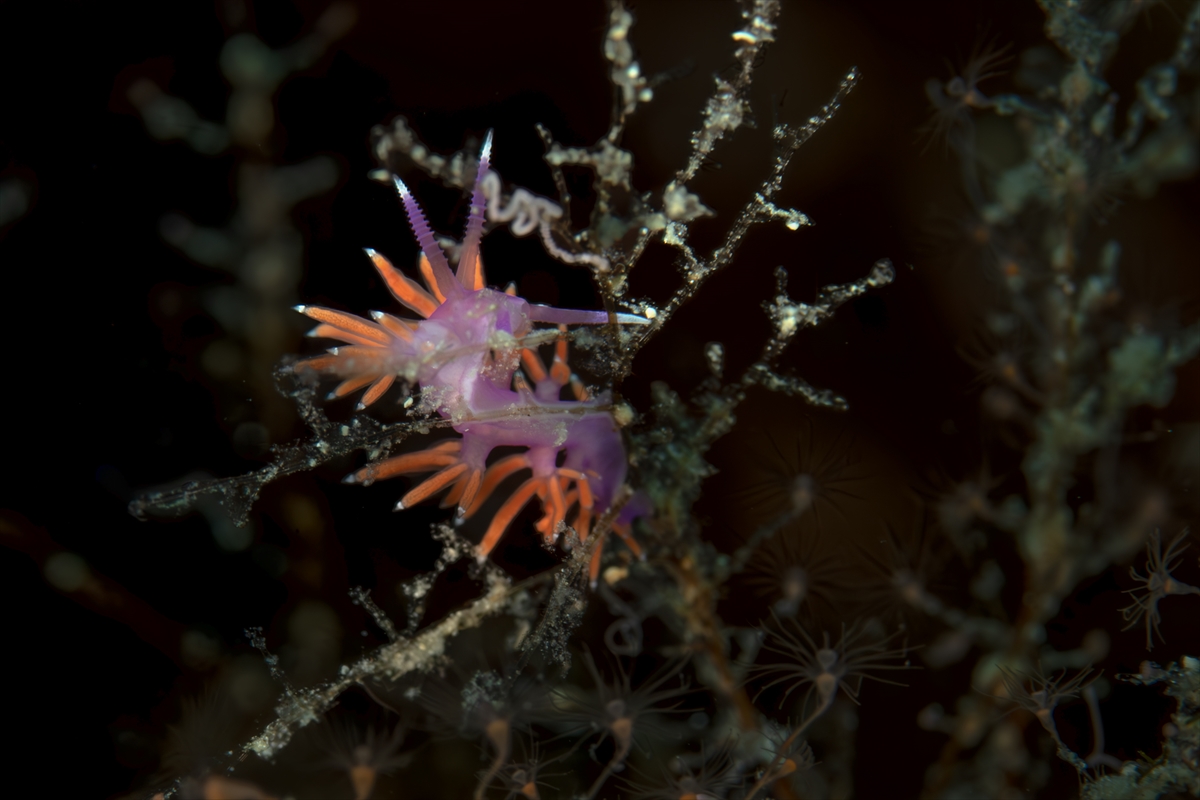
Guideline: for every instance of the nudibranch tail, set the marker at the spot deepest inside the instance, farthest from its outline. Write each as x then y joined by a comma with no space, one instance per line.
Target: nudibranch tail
573,316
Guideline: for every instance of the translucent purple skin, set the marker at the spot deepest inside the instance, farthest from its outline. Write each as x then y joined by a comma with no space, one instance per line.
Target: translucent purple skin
467,352
472,386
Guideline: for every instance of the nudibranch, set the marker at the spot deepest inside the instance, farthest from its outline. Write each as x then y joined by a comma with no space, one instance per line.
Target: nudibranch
472,353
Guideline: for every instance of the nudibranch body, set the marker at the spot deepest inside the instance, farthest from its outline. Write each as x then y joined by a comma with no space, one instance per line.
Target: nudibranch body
473,354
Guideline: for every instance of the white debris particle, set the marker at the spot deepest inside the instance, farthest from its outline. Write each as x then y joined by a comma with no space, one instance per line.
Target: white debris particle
674,234
788,318
882,273
793,219
622,414
681,205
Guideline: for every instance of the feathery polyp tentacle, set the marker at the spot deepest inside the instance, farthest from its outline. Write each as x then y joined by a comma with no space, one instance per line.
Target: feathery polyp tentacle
446,282
470,249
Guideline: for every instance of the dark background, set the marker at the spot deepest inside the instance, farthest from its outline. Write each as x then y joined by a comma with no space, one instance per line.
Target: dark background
105,394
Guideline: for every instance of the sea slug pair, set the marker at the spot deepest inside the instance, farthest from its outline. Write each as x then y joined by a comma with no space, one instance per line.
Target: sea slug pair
473,354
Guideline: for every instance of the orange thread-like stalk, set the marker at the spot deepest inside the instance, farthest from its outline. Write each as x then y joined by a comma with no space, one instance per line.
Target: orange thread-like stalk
326,331
421,461
496,474
353,384
426,270
512,506
402,287
401,328
431,486
377,390
471,486
367,333
533,365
